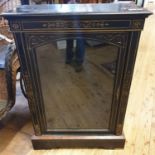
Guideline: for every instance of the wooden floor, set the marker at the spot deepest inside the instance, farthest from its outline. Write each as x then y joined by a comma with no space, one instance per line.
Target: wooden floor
76,100
16,128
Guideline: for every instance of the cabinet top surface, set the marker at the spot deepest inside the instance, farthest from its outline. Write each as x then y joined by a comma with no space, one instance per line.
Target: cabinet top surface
125,8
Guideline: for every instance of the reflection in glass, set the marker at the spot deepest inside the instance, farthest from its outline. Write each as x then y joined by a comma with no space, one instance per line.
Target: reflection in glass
77,86
76,57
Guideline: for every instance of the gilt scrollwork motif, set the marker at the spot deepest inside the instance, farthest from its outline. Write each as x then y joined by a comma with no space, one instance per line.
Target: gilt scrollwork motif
137,24
31,101
35,40
75,24
15,26
117,39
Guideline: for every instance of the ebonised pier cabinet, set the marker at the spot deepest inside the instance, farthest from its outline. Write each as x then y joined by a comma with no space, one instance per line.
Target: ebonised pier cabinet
77,61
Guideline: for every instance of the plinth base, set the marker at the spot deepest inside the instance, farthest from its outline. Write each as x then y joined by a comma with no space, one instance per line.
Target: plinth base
69,141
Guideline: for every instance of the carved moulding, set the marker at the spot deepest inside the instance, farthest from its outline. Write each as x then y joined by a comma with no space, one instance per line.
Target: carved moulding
117,39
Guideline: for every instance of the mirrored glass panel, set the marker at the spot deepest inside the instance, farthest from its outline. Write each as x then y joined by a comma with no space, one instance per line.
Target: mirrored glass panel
77,79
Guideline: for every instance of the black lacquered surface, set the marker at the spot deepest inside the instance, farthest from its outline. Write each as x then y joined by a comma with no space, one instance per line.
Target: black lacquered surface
65,9
90,104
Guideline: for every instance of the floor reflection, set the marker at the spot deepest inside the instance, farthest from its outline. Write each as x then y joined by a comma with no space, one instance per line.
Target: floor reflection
77,100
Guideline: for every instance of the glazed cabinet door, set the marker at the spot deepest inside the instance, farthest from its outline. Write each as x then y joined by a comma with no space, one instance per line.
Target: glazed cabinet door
76,80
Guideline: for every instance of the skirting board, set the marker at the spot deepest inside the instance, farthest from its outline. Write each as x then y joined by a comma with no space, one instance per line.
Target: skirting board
69,141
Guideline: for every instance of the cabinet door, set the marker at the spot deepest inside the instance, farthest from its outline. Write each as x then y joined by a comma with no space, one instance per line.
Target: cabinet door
78,79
